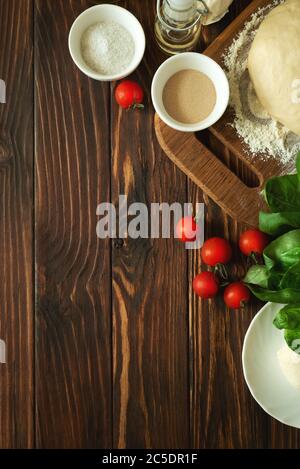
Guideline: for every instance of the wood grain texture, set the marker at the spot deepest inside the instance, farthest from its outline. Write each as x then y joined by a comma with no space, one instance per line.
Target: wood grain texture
221,405
150,310
223,413
73,325
265,168
123,353
204,167
214,177
16,225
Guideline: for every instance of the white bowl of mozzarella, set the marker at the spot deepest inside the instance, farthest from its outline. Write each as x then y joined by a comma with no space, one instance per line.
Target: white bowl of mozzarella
271,369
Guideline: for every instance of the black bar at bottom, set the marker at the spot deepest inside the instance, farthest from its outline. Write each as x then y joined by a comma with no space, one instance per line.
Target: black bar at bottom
139,457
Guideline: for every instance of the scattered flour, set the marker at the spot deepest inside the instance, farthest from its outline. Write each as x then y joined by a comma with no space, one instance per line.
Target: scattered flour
261,133
107,47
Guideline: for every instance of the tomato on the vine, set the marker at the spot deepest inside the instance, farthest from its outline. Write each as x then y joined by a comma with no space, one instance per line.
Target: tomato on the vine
236,295
216,251
186,229
206,285
253,242
129,94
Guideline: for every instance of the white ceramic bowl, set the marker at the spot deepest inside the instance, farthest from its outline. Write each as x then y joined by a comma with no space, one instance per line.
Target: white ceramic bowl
195,61
262,371
106,12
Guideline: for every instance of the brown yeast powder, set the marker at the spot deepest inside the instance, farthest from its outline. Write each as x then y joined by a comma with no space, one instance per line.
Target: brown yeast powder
189,96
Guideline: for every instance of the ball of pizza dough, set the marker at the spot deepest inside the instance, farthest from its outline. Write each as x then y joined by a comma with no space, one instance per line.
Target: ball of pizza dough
274,64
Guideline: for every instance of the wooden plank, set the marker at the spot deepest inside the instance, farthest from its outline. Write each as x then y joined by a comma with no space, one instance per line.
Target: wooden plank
150,310
16,224
223,414
282,437
204,167
152,403
206,170
222,411
73,324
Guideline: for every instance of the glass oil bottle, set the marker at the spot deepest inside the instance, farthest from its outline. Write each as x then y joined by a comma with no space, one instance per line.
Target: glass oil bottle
178,24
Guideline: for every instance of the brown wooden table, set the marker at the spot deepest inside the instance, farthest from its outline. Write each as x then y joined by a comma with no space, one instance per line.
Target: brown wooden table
106,344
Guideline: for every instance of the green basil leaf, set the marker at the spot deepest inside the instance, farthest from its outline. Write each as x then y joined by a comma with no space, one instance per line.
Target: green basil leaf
257,275
275,279
282,193
285,296
292,338
298,165
283,251
278,223
288,317
291,278
261,276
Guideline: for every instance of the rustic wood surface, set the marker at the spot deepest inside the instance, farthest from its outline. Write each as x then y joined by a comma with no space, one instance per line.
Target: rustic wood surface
263,168
108,347
208,172
16,225
204,167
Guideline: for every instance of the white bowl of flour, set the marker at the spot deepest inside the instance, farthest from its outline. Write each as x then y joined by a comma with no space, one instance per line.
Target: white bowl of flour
107,42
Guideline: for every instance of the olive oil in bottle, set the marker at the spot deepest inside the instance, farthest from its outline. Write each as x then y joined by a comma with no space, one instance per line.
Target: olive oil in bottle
178,24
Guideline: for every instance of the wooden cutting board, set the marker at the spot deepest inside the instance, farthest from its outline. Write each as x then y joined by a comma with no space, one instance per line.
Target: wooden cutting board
207,171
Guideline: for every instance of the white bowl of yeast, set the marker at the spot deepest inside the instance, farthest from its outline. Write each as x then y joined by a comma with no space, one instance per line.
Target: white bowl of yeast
198,62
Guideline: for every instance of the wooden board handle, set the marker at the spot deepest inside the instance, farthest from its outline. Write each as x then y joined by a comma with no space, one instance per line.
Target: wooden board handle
208,172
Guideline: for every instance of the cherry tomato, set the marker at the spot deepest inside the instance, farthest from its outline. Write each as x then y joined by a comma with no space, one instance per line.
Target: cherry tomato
206,285
216,251
129,94
236,294
253,242
186,229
